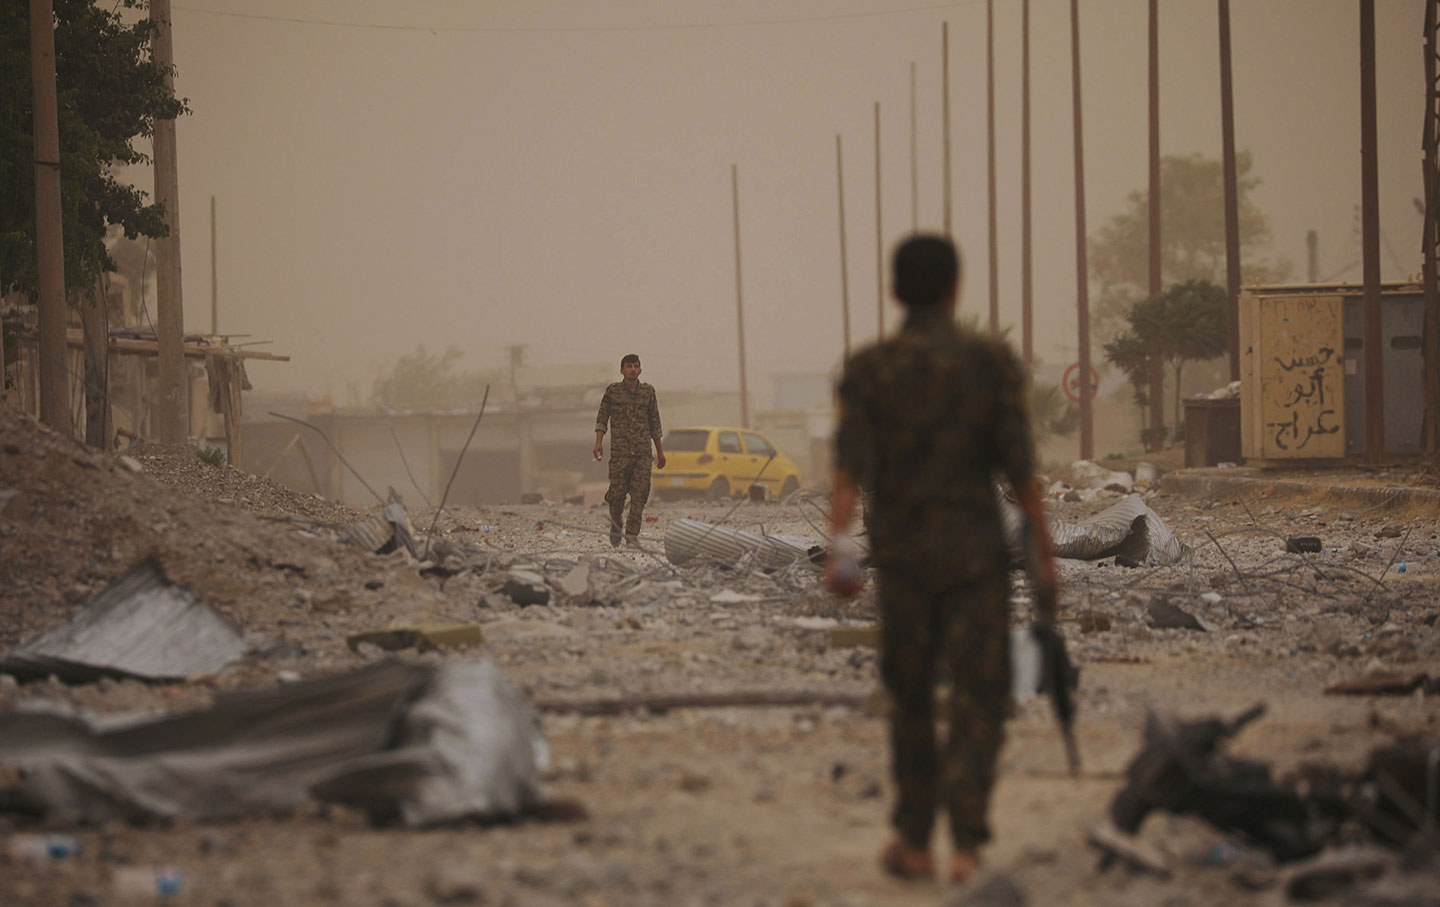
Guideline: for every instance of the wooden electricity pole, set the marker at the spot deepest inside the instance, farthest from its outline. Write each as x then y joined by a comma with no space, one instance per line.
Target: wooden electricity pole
1232,192
171,422
1027,285
879,240
1430,235
49,241
844,264
1370,243
739,298
914,159
990,161
945,114
214,275
1082,288
1157,255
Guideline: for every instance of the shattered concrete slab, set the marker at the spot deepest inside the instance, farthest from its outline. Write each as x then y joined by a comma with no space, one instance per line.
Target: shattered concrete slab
420,745
141,626
686,540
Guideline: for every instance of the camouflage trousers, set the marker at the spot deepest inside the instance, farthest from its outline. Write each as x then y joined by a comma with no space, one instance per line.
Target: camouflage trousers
966,624
628,476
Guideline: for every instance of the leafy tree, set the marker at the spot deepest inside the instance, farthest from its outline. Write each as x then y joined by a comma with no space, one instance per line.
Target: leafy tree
1187,322
1192,237
110,92
1135,360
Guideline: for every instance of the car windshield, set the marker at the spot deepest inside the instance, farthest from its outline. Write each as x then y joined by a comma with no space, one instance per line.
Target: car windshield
685,440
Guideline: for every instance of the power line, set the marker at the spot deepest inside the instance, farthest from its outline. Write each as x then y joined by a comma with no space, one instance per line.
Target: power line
546,29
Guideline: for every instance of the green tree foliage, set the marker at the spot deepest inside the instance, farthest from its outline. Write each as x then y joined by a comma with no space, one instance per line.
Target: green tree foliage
1192,238
1187,322
110,93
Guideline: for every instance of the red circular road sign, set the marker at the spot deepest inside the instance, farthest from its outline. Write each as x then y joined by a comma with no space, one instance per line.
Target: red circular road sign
1070,383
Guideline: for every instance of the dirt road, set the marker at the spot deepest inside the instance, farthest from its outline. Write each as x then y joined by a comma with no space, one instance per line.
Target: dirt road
773,806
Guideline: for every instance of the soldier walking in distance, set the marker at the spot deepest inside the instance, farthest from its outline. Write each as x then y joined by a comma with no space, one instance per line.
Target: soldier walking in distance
926,418
631,413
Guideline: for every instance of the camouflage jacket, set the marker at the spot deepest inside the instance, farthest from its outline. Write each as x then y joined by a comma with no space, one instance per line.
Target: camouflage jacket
926,418
632,417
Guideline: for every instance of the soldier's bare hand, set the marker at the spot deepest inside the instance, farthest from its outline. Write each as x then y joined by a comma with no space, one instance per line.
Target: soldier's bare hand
599,451
660,461
843,575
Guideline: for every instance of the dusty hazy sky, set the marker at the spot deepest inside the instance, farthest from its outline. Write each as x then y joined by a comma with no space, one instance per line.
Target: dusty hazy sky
557,172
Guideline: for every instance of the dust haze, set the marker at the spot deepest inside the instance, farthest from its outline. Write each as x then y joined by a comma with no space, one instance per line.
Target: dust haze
558,174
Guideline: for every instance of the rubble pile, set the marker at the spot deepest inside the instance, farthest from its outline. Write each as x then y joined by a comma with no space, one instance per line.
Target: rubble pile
739,756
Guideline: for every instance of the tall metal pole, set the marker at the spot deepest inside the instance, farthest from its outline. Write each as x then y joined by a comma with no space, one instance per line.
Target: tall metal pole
914,159
1157,368
214,276
844,264
879,241
945,113
990,164
49,238
1431,235
1370,239
739,299
1027,285
171,423
1082,289
1232,191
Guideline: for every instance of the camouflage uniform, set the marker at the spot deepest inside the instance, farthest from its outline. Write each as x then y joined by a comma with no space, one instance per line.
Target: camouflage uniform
633,418
926,418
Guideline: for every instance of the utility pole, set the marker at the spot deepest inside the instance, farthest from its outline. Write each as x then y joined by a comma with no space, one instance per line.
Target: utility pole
171,405
214,275
844,265
945,113
1027,284
1157,368
49,238
879,241
990,160
1082,288
739,299
1232,191
1370,238
1431,234
914,160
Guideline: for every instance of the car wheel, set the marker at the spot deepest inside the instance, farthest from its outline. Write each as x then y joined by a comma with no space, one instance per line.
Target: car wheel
790,487
719,490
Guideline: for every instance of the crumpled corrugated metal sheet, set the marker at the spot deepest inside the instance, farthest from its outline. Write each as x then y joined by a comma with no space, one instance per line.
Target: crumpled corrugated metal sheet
1128,529
142,625
417,743
687,539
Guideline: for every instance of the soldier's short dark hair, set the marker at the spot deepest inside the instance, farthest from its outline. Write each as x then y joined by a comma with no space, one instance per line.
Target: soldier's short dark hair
628,358
926,269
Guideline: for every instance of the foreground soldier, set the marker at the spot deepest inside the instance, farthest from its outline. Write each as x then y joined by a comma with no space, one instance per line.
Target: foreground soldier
632,414
926,418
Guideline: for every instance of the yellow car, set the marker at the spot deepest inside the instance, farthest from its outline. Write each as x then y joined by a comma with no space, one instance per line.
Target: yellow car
720,462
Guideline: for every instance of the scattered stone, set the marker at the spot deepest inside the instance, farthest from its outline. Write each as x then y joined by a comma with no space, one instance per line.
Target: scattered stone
129,464
1165,616
992,890
1131,851
1389,532
525,588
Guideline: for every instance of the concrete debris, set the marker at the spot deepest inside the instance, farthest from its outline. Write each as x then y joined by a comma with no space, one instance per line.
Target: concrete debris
422,745
1163,615
386,531
1127,849
140,626
1128,530
525,588
576,586
996,890
731,597
686,540
129,464
1334,872
1383,684
421,637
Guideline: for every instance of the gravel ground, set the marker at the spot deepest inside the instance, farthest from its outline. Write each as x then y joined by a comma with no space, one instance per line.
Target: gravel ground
773,806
